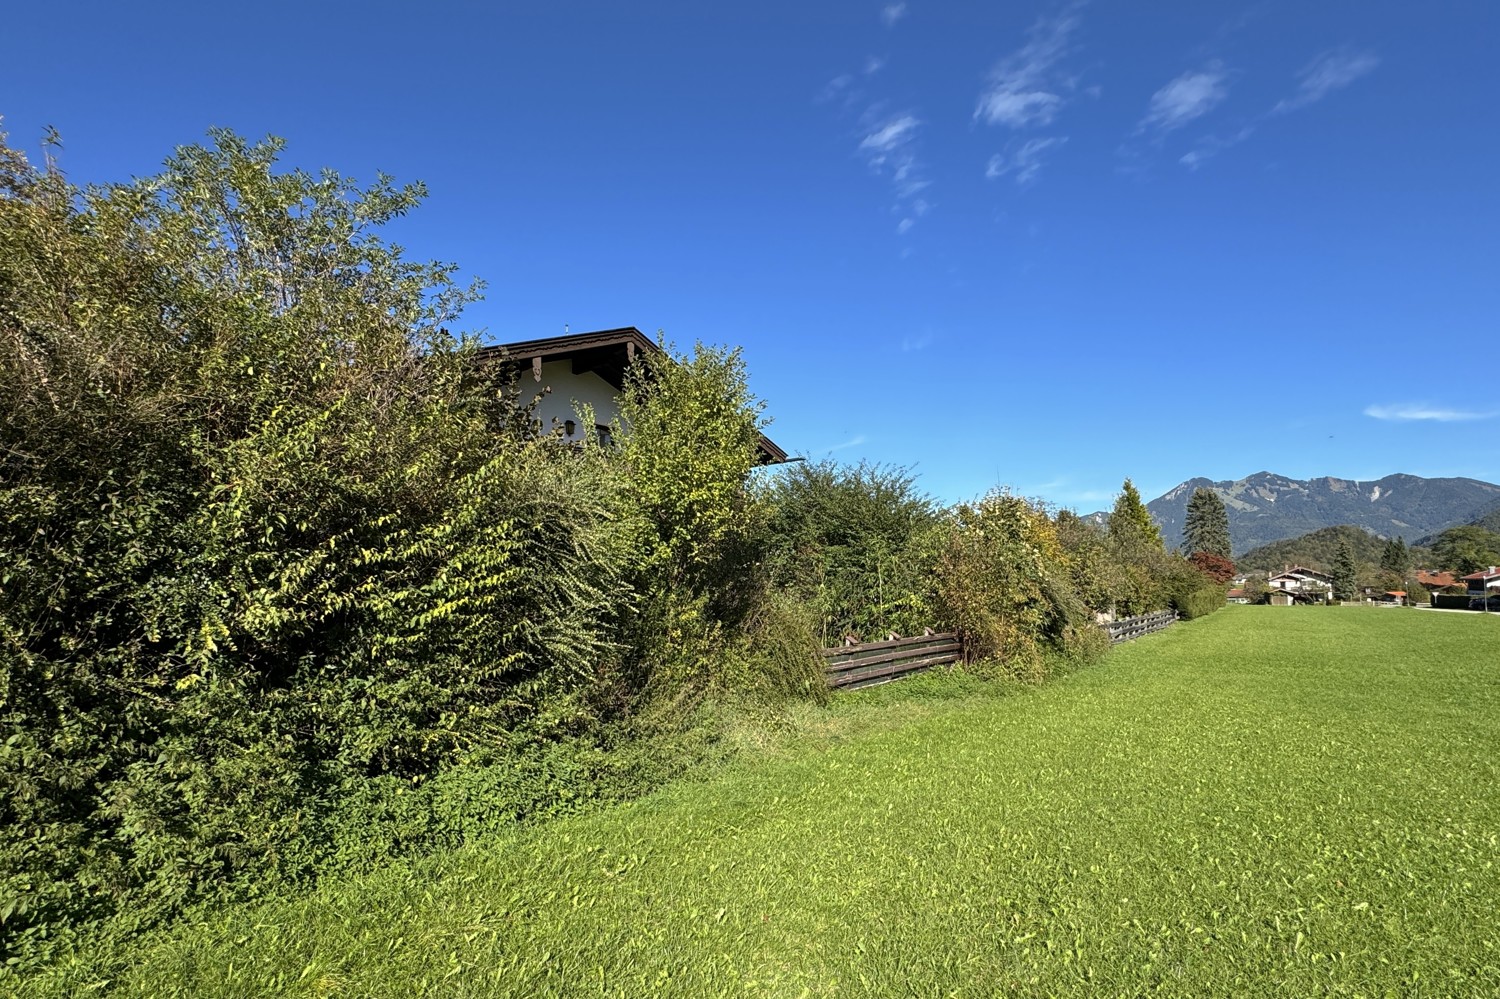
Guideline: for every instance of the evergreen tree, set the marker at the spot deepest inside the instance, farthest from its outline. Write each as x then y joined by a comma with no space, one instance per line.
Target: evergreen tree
1130,520
1395,557
1345,574
1207,525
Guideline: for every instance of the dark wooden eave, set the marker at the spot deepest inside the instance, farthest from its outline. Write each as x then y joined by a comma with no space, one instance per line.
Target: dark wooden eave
606,353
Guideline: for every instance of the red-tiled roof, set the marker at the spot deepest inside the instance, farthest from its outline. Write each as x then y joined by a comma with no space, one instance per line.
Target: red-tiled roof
1484,575
1433,580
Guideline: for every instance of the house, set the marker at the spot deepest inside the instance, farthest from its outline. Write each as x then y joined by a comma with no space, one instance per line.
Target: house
586,368
1297,584
1483,581
1436,580
1237,596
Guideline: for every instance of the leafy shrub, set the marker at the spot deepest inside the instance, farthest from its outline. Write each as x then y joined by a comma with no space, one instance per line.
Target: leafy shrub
267,531
856,544
1001,581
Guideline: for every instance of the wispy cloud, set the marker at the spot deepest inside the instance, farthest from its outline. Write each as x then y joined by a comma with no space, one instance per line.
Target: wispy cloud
1211,145
1329,72
1024,162
1407,411
1064,492
889,146
1189,96
911,344
1025,88
890,136
891,13
873,65
844,446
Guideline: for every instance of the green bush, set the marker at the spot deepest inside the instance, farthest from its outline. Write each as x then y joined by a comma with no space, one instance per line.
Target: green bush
855,543
267,532
1002,581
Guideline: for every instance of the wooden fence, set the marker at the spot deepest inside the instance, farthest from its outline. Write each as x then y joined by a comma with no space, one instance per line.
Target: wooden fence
849,667
1127,628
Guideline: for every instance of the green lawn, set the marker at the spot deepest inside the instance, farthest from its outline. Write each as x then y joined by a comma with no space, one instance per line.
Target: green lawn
1270,801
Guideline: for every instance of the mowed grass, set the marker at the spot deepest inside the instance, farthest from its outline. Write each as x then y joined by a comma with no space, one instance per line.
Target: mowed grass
1269,801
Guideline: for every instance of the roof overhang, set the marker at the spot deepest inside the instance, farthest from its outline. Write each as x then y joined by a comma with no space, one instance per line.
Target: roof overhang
605,353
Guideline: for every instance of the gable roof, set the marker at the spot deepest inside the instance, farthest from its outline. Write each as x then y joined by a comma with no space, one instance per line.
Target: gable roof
1301,572
1435,579
606,353
1483,575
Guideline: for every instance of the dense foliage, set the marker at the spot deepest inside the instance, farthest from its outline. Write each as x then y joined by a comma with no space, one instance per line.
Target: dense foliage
1463,550
1130,522
856,545
1206,528
1316,550
292,584
1345,573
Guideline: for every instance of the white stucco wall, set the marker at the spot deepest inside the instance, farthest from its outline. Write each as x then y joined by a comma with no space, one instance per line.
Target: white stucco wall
567,387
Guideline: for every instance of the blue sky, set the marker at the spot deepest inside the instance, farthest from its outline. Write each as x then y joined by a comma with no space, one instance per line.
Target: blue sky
1029,244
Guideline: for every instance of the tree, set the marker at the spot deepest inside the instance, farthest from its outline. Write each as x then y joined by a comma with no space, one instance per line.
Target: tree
1215,567
1463,550
1207,526
1130,521
1394,558
1345,573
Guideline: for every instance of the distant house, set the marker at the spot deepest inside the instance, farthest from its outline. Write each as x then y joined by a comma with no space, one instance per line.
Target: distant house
1237,596
1298,584
1437,580
1483,581
587,368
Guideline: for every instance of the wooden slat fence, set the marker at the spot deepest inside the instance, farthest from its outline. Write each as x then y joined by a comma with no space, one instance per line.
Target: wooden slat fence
1127,628
849,667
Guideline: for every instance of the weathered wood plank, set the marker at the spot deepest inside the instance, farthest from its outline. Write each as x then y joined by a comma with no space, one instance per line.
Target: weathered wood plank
839,650
889,671
848,662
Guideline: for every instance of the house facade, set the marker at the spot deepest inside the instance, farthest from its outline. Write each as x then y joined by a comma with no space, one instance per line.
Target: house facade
1484,588
564,372
1297,584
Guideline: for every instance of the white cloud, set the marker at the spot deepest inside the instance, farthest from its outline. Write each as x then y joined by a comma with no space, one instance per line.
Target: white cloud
1190,96
1024,162
892,12
1211,145
873,65
1329,72
1024,88
891,136
910,344
1422,411
890,149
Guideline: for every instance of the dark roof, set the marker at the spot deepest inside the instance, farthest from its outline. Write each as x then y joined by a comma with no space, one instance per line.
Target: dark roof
1303,570
606,353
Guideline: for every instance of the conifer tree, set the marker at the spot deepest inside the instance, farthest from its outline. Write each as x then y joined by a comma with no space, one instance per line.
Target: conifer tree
1130,519
1344,572
1395,557
1207,526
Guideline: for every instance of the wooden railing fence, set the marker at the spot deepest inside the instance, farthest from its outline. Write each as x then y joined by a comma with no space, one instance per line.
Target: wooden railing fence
1127,628
849,667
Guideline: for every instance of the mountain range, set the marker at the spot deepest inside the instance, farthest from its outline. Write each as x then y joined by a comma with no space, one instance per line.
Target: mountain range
1267,507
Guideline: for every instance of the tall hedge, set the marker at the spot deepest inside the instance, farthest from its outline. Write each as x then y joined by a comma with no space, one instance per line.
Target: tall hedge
265,529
